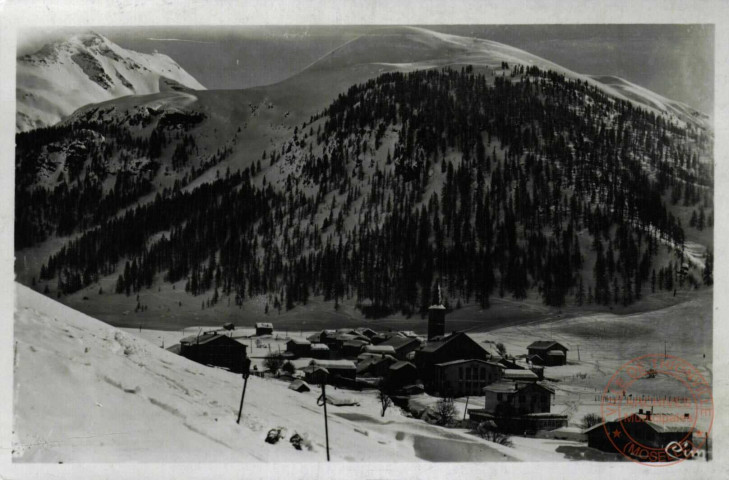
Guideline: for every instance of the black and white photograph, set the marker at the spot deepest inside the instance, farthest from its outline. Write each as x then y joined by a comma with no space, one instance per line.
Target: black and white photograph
364,243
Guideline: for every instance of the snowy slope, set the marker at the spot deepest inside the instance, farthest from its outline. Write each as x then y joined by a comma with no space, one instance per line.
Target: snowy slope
415,48
87,392
87,68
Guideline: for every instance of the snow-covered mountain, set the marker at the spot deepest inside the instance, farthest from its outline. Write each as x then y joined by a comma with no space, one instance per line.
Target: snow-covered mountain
207,133
87,68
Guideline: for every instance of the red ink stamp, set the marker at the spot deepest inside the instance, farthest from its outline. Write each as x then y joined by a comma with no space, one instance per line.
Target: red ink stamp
657,410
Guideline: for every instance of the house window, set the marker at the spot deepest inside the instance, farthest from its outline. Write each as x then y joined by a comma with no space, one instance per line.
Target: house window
483,373
500,397
460,373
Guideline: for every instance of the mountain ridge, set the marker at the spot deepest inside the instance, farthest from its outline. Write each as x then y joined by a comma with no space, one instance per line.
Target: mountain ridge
84,69
301,139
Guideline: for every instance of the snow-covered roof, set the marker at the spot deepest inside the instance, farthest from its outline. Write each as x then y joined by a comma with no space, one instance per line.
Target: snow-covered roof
520,374
299,341
509,386
264,325
660,422
545,345
345,337
202,338
457,362
380,349
336,364
299,385
319,346
398,342
399,365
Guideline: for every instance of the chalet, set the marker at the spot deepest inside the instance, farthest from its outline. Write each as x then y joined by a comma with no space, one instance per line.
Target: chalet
653,431
457,346
337,369
375,365
547,353
518,407
299,386
520,374
401,374
352,348
314,337
403,345
464,377
298,347
517,398
338,340
319,351
214,349
264,328
327,337
367,332
379,338
380,349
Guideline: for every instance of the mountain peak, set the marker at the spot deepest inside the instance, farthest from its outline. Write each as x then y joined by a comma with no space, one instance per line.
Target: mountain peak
97,69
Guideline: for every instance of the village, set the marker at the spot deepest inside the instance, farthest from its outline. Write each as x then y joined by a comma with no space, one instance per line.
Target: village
447,379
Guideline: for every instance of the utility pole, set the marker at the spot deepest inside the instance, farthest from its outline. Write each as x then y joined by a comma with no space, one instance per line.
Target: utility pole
465,409
246,374
322,401
578,353
665,349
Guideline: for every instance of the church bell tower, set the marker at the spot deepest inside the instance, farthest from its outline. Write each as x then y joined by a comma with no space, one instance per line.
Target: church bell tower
436,316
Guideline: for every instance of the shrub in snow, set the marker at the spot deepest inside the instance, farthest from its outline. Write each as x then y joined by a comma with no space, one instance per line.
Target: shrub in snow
590,420
488,431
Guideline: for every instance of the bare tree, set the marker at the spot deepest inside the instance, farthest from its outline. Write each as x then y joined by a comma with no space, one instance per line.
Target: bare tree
501,349
590,420
489,431
445,411
383,395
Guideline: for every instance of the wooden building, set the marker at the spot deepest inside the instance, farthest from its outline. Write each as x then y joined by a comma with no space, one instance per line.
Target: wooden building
264,328
547,353
367,332
654,431
401,374
352,348
457,346
509,398
214,349
459,378
375,365
337,369
380,349
518,407
298,347
520,374
319,350
403,345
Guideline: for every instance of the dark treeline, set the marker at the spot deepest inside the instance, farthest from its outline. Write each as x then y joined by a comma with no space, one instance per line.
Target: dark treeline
81,197
492,185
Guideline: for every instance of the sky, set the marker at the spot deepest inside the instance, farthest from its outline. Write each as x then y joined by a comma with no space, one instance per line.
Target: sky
676,61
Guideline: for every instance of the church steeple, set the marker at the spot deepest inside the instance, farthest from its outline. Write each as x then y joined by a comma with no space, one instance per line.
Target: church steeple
436,315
